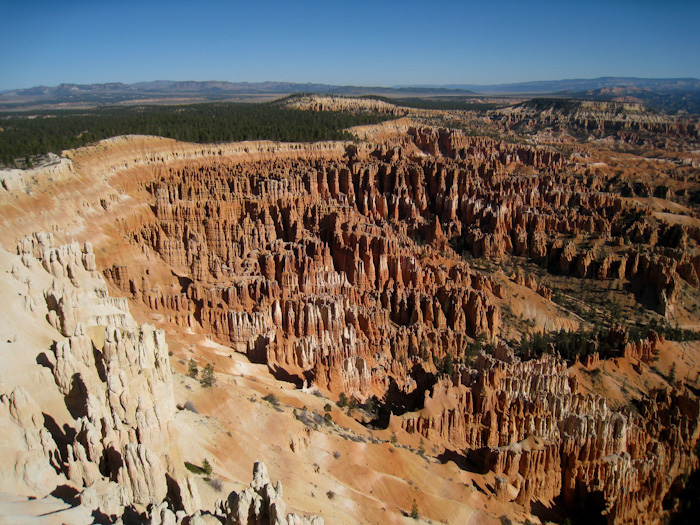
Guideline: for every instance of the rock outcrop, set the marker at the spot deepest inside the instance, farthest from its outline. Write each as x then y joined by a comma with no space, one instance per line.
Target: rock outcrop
33,463
117,383
260,503
629,122
525,422
331,103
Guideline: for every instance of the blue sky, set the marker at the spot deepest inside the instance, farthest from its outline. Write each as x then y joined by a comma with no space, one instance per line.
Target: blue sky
352,42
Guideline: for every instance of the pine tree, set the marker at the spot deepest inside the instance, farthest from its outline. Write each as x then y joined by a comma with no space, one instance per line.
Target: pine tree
192,369
672,375
414,510
208,380
206,467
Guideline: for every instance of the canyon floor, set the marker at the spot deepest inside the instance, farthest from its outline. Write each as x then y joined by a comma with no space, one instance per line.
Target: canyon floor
425,323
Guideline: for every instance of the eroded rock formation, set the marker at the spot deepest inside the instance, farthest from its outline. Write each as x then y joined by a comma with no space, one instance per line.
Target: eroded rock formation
526,422
260,503
349,266
117,383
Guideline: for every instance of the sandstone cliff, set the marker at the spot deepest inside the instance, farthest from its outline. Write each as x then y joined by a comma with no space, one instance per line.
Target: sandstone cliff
526,422
362,269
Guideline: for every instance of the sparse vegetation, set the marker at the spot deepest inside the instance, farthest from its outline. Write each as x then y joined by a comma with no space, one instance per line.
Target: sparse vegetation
192,369
208,379
672,375
272,399
190,406
414,510
29,134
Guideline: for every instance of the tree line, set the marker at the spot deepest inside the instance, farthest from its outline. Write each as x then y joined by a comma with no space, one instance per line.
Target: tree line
26,134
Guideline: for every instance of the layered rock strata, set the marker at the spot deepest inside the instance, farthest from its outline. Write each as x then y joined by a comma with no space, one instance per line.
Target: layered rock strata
117,383
526,422
260,503
342,270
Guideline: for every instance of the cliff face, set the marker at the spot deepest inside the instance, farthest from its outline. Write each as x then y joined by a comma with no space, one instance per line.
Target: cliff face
629,122
338,270
354,267
118,447
525,422
116,381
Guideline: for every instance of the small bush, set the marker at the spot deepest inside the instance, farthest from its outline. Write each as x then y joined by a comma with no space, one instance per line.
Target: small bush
194,469
414,510
192,369
342,400
216,484
272,399
330,494
336,454
328,418
208,379
327,407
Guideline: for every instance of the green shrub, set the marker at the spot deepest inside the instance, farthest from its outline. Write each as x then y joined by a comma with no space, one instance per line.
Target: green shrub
208,379
192,369
206,467
272,399
194,469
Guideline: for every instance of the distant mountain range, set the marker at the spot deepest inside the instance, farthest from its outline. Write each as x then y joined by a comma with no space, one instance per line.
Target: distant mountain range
117,92
578,85
671,95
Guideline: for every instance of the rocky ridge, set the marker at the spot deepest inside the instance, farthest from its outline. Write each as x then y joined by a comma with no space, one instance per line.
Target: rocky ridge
630,122
526,422
337,103
339,265
119,449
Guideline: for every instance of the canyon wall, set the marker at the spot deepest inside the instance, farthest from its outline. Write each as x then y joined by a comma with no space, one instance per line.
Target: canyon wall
526,422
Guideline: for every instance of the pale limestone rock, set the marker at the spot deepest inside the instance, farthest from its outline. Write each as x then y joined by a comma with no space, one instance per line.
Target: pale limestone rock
32,455
105,496
260,503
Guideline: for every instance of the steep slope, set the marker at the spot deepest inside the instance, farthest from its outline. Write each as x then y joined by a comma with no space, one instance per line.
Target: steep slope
308,271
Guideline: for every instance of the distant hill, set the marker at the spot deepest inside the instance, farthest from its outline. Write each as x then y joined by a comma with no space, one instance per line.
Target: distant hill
670,102
581,84
182,91
669,95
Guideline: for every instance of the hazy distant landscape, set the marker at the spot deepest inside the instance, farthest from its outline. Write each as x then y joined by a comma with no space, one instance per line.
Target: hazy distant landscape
667,95
371,262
